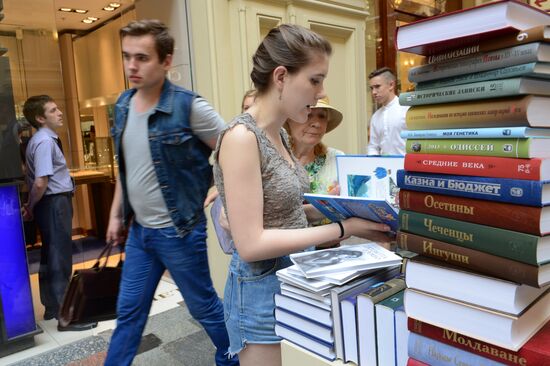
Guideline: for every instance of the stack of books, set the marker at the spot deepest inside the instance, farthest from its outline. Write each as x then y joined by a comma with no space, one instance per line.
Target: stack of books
316,307
476,185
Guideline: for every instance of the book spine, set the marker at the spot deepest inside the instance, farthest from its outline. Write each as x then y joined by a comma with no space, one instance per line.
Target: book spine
469,133
480,62
498,214
526,356
521,192
503,73
482,166
437,353
514,148
484,113
475,260
494,43
504,243
458,93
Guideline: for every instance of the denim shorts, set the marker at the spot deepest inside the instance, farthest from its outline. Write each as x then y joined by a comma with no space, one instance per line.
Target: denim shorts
249,301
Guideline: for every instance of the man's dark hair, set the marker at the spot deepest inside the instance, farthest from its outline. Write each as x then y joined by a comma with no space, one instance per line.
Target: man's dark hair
164,42
34,106
385,71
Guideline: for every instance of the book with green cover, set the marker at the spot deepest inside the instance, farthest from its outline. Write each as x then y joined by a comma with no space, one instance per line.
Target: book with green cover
511,148
518,246
478,90
532,69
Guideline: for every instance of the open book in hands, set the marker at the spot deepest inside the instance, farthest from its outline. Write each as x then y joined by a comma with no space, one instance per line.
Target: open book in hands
345,258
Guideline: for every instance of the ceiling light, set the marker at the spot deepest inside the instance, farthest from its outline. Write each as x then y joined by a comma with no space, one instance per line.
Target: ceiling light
108,8
114,5
87,21
93,19
81,11
65,9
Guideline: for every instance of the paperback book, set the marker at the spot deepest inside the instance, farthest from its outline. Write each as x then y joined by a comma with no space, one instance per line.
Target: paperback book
476,133
343,259
339,208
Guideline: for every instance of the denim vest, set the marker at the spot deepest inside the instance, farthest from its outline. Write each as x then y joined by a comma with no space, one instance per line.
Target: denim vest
180,159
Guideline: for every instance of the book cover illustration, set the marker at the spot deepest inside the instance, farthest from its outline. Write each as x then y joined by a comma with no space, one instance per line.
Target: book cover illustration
345,258
369,176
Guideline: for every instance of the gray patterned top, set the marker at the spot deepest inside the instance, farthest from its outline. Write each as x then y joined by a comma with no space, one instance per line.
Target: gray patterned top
283,185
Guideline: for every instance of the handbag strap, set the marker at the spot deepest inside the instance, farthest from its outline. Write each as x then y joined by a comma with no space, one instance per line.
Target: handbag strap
106,252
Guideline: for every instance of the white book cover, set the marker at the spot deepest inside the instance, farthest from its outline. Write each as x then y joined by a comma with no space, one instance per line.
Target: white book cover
371,177
310,284
343,259
338,278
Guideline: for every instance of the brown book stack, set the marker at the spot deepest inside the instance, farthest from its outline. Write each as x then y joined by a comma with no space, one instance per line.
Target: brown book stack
476,186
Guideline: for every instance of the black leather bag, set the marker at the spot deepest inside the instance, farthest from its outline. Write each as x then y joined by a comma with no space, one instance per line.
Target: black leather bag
92,293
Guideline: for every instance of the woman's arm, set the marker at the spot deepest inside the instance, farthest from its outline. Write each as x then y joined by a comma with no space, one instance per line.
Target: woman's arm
240,162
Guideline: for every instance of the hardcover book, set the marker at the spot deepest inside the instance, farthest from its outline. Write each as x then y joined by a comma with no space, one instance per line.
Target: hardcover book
517,55
500,329
481,166
303,295
534,353
306,341
467,27
526,219
477,133
311,312
485,263
452,282
366,317
528,110
435,353
343,259
535,34
360,285
304,325
514,245
514,148
388,330
338,208
349,328
478,90
531,69
518,191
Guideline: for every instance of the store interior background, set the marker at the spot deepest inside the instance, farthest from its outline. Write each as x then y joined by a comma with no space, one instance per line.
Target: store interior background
80,65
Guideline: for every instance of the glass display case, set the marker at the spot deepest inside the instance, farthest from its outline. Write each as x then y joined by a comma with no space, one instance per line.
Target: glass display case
99,161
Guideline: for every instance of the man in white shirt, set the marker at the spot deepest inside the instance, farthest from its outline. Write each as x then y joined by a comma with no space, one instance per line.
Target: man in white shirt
388,121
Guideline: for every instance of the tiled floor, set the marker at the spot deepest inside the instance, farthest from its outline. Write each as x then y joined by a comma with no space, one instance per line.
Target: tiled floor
167,297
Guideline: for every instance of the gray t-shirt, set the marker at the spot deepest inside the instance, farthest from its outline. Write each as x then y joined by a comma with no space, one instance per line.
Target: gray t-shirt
143,188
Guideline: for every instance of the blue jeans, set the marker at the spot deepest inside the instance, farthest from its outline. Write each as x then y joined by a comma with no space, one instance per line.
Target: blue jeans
148,253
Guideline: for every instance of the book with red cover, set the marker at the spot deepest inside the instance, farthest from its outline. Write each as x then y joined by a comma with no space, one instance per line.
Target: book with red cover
413,362
481,166
467,27
536,352
526,219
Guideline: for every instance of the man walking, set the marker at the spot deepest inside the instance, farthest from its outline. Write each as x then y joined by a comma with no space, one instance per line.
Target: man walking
50,202
163,137
388,121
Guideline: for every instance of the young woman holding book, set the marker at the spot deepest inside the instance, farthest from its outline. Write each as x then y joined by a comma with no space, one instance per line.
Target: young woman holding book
261,185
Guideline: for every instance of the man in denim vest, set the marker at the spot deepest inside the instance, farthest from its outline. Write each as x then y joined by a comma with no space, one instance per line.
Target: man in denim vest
163,137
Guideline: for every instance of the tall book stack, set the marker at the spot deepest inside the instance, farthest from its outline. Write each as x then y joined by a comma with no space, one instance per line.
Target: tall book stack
316,306
476,185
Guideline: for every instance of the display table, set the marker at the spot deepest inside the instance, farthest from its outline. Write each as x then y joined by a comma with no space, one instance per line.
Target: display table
292,355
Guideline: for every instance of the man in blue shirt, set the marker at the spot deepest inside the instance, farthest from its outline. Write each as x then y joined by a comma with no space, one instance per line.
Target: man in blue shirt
50,203
163,137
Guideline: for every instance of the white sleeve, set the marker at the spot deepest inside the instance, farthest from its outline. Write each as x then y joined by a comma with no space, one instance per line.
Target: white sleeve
205,122
373,147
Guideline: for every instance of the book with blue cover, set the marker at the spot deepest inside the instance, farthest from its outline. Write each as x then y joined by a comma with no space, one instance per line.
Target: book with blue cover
317,346
517,191
477,133
338,208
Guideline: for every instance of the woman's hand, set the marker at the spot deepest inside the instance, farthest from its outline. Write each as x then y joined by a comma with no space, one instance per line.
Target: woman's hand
369,230
334,189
